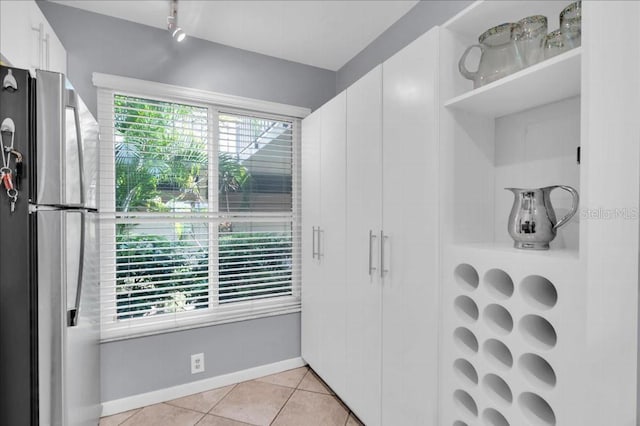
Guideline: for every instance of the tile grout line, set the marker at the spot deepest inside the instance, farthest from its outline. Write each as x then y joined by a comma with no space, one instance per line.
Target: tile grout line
198,411
282,408
316,392
233,420
200,419
322,383
331,392
222,399
130,417
294,391
327,392
184,408
233,386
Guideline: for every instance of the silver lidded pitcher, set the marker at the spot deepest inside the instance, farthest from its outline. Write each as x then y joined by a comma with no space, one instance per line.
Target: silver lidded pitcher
532,222
499,55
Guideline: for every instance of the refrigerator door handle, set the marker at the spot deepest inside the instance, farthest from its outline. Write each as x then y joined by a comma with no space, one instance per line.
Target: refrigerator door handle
72,102
72,314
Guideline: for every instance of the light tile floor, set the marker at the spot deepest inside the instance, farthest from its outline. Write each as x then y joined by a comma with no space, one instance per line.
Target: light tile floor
296,397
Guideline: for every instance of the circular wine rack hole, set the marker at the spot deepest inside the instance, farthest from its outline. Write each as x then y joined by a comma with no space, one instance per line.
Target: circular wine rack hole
492,417
498,319
466,371
537,371
499,283
465,402
539,292
536,409
497,389
466,308
459,423
538,331
466,340
498,353
466,276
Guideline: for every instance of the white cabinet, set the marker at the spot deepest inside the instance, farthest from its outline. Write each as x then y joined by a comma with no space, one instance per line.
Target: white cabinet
311,267
323,242
410,289
26,38
364,224
385,365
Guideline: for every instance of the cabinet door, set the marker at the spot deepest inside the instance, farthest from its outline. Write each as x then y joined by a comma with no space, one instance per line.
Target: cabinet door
410,220
55,55
48,51
18,39
364,215
26,38
311,271
332,242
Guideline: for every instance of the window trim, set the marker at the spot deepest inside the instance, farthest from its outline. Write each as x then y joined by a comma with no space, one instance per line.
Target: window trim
216,103
186,94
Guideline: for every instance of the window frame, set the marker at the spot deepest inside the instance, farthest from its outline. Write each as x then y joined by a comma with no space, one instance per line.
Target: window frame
216,104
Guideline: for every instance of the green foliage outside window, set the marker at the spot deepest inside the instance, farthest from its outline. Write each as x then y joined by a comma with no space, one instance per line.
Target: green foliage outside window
161,161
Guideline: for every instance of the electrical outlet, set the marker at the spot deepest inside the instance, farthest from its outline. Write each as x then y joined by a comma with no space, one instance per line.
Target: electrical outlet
197,363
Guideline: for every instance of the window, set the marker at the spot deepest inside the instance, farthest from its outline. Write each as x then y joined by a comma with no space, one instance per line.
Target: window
200,214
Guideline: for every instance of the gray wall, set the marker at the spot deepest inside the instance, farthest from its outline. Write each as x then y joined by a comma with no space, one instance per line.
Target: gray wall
134,366
97,43
422,17
108,45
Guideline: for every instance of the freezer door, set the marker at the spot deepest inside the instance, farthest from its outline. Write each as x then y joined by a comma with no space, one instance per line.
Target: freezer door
68,322
67,145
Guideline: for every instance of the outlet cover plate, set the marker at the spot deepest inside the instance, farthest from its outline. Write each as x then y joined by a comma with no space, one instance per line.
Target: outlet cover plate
197,363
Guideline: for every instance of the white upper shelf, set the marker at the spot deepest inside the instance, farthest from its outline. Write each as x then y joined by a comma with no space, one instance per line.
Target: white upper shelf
548,81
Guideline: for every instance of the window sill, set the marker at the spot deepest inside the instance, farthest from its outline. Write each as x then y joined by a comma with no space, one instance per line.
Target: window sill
141,328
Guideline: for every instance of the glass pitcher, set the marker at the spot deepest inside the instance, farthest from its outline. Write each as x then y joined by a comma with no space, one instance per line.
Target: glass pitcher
499,55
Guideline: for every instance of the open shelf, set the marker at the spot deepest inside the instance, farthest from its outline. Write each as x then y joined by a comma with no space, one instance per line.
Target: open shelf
546,82
482,15
507,250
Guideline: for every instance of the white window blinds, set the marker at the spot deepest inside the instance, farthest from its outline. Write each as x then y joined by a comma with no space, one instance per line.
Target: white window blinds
199,210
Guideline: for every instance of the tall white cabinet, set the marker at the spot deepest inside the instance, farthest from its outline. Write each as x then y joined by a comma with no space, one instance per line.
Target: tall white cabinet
26,38
410,288
388,302
364,225
323,241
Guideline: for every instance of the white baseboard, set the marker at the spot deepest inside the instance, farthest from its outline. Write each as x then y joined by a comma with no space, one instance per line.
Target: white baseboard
141,400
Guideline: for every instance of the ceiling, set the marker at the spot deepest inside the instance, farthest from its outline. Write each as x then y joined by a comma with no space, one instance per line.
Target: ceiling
322,33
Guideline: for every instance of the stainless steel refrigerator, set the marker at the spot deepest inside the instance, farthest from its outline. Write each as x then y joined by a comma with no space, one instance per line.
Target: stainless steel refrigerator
49,262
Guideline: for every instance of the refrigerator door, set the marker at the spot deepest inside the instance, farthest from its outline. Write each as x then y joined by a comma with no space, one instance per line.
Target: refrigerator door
68,322
67,145
82,375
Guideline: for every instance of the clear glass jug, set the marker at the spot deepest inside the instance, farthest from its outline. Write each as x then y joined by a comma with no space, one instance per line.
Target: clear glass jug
530,37
499,55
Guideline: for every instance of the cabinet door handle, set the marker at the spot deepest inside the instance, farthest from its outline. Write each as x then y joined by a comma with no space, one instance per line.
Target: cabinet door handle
319,238
45,40
40,30
313,243
382,238
371,238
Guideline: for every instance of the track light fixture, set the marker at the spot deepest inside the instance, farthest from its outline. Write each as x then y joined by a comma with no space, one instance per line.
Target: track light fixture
172,22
